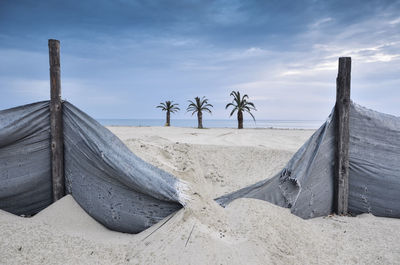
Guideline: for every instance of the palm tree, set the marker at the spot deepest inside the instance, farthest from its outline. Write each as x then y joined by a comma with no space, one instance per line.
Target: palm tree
199,106
240,105
169,107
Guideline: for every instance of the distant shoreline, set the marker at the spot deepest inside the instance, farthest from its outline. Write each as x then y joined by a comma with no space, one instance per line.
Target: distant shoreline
191,123
208,128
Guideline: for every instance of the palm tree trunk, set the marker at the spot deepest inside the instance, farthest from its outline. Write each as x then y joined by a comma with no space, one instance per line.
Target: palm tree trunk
240,119
199,120
168,123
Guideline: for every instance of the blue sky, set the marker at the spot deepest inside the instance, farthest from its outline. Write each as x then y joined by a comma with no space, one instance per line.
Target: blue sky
120,58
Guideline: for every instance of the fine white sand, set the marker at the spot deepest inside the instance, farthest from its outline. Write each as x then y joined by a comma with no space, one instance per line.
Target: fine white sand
248,231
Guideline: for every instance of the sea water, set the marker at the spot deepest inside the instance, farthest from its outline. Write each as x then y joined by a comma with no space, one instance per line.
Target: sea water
283,124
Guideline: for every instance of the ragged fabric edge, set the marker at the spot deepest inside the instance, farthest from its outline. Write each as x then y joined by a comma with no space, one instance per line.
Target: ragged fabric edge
183,189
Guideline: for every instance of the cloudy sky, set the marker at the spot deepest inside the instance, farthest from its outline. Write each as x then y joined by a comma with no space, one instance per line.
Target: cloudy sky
120,58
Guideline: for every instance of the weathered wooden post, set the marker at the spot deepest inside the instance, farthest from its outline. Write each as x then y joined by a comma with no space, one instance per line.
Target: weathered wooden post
56,122
342,135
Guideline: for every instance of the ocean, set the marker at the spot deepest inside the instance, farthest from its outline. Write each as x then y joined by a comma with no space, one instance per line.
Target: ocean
282,124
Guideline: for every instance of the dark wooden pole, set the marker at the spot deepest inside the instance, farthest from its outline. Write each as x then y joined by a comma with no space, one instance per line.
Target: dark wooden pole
342,135
56,122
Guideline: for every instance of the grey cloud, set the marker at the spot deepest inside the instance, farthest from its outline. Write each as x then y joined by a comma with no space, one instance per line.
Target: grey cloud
284,53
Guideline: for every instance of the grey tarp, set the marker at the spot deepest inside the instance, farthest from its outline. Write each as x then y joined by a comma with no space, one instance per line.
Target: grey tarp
306,185
25,172
374,177
127,194
113,185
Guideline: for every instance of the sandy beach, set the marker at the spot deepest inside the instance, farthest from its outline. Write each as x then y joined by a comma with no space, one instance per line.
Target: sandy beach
214,162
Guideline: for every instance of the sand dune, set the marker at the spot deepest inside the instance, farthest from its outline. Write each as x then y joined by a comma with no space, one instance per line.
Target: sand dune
248,231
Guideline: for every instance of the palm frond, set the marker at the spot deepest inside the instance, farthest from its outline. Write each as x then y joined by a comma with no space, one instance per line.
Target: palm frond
229,104
208,106
207,109
251,104
251,114
168,106
233,111
162,106
191,108
241,104
203,101
198,105
174,108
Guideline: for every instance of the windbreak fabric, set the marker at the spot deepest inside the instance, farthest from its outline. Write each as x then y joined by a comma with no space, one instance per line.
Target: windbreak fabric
111,184
306,186
127,194
374,157
25,159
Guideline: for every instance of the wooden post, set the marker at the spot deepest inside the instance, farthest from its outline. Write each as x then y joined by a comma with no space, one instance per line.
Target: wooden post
342,136
56,122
